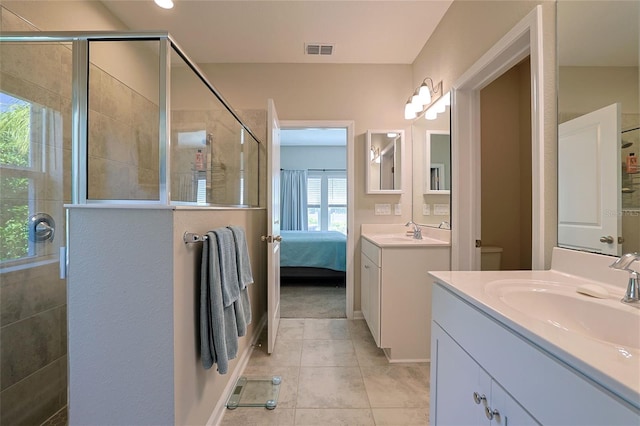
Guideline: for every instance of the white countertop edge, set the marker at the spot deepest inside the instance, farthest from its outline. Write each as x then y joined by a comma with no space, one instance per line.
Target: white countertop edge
618,381
379,241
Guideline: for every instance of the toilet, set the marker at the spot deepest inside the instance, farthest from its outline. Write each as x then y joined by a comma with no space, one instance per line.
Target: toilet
490,258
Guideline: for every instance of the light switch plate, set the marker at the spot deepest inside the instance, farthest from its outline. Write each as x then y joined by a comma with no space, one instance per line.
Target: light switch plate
441,209
382,209
426,209
397,209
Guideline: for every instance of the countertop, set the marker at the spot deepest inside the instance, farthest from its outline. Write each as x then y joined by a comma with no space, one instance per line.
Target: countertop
399,241
614,367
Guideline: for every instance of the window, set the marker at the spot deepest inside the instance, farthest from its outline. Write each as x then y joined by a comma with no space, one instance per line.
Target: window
20,171
327,201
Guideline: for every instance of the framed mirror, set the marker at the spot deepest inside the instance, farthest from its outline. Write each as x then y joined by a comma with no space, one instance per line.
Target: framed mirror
437,162
431,158
599,126
385,155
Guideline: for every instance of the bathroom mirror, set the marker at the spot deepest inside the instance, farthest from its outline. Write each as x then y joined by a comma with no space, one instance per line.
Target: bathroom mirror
599,126
437,162
385,154
431,150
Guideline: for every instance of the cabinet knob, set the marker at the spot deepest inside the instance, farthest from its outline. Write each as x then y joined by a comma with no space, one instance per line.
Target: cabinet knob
477,398
366,266
491,413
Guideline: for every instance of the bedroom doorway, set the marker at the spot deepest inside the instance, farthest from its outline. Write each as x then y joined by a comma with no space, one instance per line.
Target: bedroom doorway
316,199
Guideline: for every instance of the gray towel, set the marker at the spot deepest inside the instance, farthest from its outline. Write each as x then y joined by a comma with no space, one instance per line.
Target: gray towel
242,254
218,328
243,305
228,267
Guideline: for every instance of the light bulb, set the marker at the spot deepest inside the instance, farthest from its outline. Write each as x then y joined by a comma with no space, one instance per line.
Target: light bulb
165,4
409,111
424,94
417,102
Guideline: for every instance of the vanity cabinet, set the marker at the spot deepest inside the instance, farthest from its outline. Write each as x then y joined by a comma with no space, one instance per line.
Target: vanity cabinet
370,288
396,296
475,355
463,384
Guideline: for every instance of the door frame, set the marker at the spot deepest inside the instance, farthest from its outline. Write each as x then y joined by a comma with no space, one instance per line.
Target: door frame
349,125
525,39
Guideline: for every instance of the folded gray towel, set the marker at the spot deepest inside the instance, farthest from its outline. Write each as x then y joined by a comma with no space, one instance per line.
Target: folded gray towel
242,253
228,265
242,305
218,327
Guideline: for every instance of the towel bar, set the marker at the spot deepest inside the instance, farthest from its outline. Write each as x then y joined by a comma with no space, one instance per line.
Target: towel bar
190,237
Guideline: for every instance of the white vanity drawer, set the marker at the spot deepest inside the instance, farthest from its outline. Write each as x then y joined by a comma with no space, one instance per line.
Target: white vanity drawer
371,251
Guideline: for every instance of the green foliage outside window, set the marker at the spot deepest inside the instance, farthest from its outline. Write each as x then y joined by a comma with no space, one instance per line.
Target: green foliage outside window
14,191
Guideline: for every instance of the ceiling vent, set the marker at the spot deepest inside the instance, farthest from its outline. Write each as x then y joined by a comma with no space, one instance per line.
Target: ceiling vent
323,49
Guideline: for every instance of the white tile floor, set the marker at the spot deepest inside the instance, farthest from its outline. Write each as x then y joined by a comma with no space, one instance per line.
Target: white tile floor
333,374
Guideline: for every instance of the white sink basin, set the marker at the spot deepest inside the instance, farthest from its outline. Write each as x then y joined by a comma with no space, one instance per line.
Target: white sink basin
558,304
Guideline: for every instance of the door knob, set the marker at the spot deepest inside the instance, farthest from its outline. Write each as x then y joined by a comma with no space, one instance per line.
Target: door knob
608,239
277,238
41,227
477,398
491,413
267,238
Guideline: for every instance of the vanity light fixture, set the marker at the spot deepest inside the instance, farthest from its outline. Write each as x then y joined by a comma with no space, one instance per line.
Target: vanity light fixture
392,135
165,4
422,97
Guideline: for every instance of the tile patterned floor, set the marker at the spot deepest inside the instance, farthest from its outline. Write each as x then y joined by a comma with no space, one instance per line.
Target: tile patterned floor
333,374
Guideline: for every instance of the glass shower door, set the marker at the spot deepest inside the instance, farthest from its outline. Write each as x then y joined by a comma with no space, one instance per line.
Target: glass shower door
35,154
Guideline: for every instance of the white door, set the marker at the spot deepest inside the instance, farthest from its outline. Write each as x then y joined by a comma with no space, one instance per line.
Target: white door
273,225
589,182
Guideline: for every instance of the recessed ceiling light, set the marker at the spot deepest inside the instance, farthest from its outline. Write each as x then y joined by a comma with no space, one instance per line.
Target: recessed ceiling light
165,4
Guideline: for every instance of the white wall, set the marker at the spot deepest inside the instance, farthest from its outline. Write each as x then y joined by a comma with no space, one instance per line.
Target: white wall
313,157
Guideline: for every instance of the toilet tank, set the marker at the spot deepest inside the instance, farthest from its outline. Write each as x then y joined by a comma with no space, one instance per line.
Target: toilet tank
490,258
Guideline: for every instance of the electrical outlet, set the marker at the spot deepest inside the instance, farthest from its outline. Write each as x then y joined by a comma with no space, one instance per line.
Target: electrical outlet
426,209
397,209
382,209
441,209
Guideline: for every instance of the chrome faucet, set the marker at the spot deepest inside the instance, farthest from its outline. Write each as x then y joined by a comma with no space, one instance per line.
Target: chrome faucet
417,231
632,295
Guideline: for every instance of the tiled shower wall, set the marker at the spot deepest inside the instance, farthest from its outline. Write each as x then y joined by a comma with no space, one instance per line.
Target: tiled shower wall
33,310
123,141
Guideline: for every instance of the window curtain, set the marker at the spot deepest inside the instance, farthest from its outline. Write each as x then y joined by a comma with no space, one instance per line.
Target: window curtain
293,200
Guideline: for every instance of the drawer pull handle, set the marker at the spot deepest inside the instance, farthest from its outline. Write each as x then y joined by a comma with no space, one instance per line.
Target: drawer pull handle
477,398
491,413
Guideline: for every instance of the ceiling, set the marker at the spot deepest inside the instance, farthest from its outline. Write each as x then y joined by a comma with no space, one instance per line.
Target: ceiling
240,31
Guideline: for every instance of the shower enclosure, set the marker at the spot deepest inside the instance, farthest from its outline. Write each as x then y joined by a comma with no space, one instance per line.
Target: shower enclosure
95,118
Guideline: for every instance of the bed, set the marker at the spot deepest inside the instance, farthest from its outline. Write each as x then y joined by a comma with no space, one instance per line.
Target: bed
313,254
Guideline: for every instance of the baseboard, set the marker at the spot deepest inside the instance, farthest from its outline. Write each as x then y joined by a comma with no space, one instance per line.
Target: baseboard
218,411
358,315
404,360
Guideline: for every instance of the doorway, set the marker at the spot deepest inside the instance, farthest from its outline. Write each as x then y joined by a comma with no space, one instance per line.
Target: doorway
524,40
505,148
315,269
